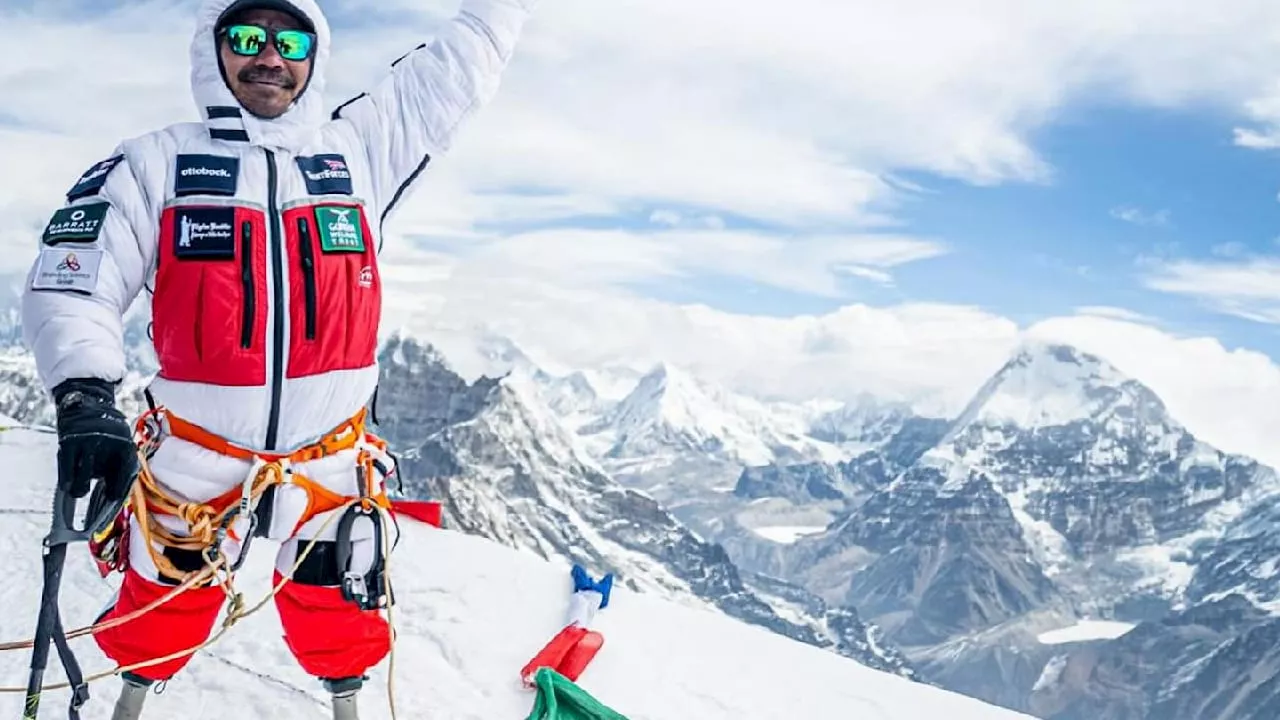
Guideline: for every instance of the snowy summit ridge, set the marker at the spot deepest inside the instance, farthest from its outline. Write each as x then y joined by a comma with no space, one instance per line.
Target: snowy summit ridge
670,410
1048,385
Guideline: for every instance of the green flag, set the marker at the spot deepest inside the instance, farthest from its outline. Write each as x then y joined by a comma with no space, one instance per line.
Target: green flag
560,699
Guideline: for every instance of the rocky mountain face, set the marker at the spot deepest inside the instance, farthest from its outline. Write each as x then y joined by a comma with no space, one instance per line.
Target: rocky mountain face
1242,562
1101,477
1218,660
949,558
851,480
506,468
853,636
1063,490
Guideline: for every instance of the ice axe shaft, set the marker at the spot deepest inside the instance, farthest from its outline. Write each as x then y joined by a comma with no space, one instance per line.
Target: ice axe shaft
62,532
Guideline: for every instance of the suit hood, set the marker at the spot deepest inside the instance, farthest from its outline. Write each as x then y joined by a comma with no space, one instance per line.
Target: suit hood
223,115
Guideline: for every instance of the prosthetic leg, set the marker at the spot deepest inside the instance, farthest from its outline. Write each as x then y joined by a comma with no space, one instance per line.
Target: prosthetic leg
344,691
132,695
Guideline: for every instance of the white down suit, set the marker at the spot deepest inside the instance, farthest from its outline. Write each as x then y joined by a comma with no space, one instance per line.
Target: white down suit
258,241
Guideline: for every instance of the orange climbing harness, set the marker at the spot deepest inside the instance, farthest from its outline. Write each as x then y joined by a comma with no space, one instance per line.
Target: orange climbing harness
208,522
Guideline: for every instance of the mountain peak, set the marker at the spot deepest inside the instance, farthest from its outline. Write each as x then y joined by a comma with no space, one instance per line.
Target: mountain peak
665,376
670,412
1051,385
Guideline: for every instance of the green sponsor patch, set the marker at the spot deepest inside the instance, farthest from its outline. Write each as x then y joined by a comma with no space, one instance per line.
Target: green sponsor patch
78,223
340,229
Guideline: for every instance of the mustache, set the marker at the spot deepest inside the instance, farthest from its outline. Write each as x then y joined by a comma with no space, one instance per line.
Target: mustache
271,76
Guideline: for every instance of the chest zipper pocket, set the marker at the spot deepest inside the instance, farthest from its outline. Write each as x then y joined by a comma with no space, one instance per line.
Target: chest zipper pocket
308,262
246,280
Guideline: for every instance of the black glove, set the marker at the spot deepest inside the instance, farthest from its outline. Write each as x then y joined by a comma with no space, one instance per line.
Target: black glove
94,439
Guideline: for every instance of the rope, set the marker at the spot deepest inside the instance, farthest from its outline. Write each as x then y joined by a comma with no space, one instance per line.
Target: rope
191,582
234,615
206,525
207,528
391,625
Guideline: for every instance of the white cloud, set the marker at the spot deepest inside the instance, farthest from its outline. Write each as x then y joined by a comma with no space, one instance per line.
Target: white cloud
1265,111
1138,216
1231,249
1106,311
1229,398
806,264
798,114
797,117
935,356
1248,288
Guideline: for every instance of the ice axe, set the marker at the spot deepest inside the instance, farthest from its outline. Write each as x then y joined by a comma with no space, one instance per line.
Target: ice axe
99,515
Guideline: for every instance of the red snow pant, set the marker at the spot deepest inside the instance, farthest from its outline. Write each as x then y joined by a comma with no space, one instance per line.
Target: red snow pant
330,637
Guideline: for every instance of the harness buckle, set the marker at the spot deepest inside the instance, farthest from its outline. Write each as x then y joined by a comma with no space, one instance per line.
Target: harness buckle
355,590
368,590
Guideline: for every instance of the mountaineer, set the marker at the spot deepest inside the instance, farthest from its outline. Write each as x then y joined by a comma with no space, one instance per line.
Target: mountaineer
256,231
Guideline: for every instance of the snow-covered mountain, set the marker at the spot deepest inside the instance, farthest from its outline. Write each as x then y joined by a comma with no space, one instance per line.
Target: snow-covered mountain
462,636
506,468
861,424
1107,486
671,417
1064,490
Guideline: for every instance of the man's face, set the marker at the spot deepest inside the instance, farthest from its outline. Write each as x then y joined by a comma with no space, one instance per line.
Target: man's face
265,84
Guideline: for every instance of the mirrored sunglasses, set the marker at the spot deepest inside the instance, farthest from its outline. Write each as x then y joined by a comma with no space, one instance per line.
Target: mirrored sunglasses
250,40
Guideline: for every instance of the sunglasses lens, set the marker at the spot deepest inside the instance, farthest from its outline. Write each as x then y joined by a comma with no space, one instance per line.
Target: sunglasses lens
246,39
293,44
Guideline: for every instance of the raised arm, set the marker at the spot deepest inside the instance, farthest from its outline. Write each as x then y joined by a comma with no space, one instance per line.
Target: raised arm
413,115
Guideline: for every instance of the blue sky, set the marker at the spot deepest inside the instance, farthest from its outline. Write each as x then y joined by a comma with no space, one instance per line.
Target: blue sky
1031,251
1130,186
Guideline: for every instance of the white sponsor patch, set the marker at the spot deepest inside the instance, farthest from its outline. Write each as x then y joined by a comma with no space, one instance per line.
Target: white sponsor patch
73,269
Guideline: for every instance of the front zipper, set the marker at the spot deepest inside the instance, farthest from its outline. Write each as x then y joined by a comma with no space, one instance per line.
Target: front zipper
308,275
277,280
246,278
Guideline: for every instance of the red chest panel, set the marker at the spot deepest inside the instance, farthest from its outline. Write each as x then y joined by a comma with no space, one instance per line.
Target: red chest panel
335,298
209,313
212,299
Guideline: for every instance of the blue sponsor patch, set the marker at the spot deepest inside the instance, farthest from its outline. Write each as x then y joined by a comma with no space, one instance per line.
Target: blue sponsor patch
93,179
206,175
326,174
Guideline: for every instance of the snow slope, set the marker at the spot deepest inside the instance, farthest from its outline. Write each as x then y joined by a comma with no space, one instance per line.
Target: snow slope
471,612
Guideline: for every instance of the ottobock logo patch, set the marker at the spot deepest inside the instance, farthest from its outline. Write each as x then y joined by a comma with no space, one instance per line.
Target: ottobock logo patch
326,174
204,233
93,179
78,223
206,175
340,229
74,270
